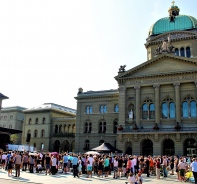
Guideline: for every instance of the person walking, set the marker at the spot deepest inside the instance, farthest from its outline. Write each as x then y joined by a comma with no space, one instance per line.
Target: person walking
194,169
158,167
181,168
75,166
10,166
31,163
25,161
18,162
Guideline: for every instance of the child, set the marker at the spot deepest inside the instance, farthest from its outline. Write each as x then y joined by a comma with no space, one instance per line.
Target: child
89,170
80,166
139,178
131,179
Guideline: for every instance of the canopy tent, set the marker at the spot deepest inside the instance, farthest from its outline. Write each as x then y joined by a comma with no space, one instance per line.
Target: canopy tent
10,131
106,147
92,153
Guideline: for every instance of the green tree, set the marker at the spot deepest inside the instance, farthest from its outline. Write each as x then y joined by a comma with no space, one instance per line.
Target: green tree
14,138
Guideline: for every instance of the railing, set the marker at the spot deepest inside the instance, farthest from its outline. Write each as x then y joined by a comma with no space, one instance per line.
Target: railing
64,135
185,129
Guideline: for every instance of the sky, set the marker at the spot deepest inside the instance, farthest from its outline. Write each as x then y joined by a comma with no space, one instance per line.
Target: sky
50,48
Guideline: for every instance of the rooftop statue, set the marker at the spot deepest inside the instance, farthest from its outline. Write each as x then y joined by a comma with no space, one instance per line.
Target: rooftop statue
122,68
165,47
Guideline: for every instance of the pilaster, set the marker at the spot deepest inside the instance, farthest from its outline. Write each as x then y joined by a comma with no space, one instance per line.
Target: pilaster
178,102
157,106
122,105
137,105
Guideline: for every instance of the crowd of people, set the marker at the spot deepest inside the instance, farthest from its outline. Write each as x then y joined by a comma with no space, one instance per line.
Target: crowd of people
102,165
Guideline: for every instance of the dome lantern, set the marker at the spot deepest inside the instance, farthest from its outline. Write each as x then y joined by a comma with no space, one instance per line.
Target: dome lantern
173,12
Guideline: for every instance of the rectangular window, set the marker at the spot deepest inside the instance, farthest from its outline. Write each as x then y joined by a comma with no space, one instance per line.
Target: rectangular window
11,116
5,117
10,126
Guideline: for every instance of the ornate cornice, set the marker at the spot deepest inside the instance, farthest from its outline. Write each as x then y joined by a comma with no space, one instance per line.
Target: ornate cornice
97,97
175,36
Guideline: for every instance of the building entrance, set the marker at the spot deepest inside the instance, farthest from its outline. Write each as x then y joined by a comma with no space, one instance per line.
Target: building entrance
57,146
147,147
168,147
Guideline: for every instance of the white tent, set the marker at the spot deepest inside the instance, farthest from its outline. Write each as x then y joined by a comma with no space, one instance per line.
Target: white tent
92,153
102,147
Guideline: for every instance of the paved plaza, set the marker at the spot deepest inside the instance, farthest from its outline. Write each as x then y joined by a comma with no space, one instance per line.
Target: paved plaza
59,178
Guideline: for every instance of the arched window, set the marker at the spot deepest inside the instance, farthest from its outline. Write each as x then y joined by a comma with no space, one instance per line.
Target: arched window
188,52
182,50
87,144
193,109
116,108
148,109
102,127
56,128
60,129
88,127
65,129
115,127
42,133
36,122
185,109
29,120
43,120
103,108
144,111
172,110
189,108
168,109
176,52
89,110
35,133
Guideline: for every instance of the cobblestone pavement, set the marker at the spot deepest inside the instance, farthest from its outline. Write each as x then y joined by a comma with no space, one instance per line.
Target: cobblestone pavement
41,178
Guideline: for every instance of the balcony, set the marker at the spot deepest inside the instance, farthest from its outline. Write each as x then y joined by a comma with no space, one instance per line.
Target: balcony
64,135
160,130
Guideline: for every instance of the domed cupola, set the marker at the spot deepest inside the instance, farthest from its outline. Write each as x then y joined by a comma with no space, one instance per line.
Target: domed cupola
174,22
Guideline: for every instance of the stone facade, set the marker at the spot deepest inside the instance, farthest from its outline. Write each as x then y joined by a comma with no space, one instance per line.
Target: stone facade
161,95
12,118
51,127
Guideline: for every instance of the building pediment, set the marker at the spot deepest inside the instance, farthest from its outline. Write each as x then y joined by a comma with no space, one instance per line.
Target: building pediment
162,65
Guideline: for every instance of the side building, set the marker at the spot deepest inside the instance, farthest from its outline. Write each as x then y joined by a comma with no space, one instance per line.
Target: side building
97,118
12,118
52,127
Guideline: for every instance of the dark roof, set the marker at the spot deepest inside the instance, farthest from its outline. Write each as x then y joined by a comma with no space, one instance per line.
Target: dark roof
11,131
3,96
107,147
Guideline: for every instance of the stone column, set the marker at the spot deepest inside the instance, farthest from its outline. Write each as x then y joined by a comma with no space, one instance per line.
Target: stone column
178,102
137,104
195,82
122,105
157,106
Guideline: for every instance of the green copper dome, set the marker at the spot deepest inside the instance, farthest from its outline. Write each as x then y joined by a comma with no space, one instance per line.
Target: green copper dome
181,22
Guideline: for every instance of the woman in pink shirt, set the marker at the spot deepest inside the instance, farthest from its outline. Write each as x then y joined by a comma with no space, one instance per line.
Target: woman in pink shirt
129,165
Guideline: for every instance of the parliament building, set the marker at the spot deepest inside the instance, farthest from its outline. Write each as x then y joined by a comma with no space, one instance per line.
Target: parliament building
154,109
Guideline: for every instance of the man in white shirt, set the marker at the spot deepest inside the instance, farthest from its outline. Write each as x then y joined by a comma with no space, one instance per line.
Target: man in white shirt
194,169
133,165
90,160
